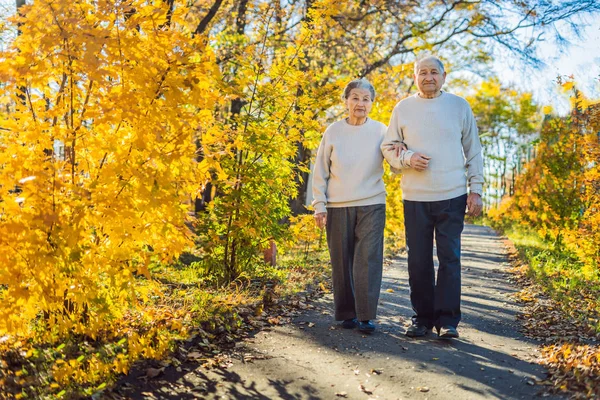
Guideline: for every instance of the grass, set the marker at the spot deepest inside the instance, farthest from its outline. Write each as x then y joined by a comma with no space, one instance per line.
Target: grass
561,274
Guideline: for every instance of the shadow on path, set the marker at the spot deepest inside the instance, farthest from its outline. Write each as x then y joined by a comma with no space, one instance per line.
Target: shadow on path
322,361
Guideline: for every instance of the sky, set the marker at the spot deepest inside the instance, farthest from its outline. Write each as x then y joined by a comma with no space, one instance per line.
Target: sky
580,58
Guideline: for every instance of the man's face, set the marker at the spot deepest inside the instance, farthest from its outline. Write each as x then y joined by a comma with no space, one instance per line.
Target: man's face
429,77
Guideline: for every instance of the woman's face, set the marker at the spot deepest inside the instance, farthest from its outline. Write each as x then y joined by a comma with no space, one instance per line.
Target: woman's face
359,103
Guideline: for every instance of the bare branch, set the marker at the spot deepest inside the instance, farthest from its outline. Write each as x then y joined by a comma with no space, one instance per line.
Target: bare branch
208,17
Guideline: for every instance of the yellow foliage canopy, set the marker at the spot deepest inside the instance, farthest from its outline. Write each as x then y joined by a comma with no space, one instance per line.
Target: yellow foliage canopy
98,156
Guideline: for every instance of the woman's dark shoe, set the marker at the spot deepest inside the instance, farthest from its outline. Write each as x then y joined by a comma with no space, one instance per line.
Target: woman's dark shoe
349,323
366,326
417,330
447,332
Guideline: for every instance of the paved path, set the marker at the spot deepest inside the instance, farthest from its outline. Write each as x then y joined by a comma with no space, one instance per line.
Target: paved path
313,358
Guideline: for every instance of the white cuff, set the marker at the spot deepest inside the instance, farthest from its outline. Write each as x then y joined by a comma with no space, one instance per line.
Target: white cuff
405,157
320,207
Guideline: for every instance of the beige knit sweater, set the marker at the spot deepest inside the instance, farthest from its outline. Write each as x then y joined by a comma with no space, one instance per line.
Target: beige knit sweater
443,128
349,166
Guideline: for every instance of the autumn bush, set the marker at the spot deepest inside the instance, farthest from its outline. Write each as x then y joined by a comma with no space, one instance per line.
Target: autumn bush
555,203
557,195
256,148
114,117
101,108
552,218
97,158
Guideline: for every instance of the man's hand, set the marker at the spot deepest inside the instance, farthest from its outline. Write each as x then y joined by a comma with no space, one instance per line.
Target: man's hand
419,161
321,219
474,205
399,148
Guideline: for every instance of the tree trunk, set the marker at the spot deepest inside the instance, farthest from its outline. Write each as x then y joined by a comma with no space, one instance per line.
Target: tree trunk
297,204
230,256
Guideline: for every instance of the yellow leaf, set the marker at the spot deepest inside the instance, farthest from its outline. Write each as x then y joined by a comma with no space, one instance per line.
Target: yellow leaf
567,86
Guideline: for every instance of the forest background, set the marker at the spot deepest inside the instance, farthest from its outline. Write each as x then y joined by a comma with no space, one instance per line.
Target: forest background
154,151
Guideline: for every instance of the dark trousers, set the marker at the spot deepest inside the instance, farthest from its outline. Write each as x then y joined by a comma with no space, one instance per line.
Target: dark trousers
434,303
355,241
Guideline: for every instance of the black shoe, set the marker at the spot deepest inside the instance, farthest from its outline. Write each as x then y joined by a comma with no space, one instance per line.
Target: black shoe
417,330
366,326
349,323
447,332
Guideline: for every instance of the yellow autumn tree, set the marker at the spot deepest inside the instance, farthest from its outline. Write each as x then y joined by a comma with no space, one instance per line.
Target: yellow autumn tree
105,100
270,110
557,193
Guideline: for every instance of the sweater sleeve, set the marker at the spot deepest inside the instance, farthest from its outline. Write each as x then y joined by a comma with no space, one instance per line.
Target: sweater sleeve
394,136
473,153
321,175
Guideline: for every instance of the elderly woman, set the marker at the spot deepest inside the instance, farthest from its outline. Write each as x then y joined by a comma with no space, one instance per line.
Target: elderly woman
349,199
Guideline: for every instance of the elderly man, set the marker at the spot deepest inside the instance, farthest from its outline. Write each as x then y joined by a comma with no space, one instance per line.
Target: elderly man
443,156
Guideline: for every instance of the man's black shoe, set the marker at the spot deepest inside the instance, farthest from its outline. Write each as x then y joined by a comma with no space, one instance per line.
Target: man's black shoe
417,330
447,332
366,326
349,323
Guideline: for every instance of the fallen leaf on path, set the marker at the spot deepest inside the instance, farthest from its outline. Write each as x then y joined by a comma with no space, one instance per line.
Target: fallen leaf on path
302,305
154,372
341,394
311,324
258,311
323,288
435,358
390,290
423,389
377,371
363,389
194,355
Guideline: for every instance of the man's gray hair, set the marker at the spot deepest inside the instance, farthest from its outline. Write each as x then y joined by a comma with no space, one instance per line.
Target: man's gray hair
361,83
432,58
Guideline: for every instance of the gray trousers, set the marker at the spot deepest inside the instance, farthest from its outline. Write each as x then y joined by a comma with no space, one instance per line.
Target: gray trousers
355,240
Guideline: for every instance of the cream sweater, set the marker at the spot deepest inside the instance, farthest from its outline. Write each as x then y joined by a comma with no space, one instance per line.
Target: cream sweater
443,128
349,166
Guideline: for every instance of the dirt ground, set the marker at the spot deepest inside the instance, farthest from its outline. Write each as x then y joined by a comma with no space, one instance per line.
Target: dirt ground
314,358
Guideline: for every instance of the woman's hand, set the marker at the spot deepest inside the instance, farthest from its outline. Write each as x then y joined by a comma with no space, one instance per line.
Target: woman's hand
321,219
399,148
